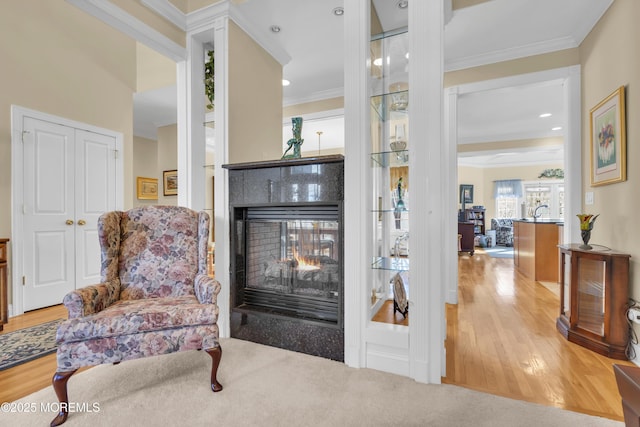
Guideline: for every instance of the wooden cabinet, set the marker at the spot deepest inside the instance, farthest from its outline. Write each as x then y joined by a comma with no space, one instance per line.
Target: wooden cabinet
628,380
465,231
594,289
4,303
476,216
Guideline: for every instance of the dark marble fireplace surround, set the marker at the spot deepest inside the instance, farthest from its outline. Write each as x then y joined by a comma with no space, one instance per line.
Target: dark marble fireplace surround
283,190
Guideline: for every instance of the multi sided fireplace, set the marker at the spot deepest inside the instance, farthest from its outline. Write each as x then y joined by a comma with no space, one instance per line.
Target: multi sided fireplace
286,241
289,261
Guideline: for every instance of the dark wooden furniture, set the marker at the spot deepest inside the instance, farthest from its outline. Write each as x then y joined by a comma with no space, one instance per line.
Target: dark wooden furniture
465,230
628,379
4,302
594,289
476,216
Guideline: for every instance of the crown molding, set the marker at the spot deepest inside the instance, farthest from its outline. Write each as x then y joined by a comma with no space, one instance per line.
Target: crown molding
511,53
203,18
206,16
587,25
168,11
122,21
316,96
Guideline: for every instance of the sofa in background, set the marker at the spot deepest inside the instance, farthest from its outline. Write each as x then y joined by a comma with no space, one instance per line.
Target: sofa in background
504,230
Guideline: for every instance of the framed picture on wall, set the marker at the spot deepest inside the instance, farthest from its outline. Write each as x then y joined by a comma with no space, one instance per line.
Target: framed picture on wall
609,140
466,193
147,188
170,180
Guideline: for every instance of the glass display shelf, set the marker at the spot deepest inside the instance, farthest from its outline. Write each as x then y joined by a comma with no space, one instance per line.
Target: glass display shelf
391,158
390,263
389,210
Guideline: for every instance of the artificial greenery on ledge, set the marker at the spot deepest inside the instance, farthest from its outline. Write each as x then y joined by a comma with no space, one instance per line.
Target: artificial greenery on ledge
209,75
552,173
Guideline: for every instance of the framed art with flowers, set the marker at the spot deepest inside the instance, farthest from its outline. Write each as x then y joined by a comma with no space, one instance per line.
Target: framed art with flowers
609,140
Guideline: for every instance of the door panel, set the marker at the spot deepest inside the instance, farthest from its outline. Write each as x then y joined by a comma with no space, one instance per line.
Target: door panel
69,181
50,259
95,190
48,205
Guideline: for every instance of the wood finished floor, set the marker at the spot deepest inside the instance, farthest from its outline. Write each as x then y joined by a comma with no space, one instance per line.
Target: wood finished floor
501,339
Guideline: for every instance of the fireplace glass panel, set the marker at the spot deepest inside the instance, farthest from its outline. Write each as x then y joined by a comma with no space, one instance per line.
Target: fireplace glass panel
291,266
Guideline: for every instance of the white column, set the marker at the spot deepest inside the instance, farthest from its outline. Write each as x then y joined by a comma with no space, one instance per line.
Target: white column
426,324
450,175
572,156
221,202
357,172
191,133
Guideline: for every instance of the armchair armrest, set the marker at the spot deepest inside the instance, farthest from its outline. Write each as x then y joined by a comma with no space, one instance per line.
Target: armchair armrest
92,299
206,289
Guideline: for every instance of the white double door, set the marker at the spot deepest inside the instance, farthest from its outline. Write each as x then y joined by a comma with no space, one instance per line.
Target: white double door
69,181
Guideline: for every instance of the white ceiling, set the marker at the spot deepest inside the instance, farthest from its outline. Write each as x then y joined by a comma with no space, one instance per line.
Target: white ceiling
488,32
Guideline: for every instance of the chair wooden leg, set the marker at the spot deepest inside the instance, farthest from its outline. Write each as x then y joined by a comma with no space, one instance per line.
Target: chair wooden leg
216,355
60,387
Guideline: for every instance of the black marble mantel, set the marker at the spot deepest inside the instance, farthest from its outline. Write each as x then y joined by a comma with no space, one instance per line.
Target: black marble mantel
287,183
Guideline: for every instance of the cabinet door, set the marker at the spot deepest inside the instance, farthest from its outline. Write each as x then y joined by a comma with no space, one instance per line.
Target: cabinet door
590,295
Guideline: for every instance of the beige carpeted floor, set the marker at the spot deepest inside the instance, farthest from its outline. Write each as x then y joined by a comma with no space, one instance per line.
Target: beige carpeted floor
266,386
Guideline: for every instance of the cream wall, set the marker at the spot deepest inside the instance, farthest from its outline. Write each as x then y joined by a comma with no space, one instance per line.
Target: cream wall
55,59
145,163
313,107
610,59
255,100
167,160
153,70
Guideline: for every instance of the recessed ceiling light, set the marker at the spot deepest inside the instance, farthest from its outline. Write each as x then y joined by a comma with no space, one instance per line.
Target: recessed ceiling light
274,29
403,4
557,128
543,115
338,11
285,82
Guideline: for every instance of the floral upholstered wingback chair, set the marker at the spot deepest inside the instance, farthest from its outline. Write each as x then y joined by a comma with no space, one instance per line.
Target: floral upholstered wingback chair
155,297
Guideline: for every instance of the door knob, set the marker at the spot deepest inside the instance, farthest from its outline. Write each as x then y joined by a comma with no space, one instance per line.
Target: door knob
82,222
69,222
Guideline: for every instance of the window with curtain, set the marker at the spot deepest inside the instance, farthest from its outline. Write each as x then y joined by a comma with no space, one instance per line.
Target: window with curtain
506,194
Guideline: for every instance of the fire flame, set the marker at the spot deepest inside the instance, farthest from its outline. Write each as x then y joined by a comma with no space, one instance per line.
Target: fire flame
304,263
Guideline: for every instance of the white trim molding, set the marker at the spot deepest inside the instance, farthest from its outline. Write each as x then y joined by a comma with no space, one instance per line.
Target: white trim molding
168,11
122,21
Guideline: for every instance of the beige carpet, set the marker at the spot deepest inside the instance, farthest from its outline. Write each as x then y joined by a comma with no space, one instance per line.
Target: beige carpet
266,386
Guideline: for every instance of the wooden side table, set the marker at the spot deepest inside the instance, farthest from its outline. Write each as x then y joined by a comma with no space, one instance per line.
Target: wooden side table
4,303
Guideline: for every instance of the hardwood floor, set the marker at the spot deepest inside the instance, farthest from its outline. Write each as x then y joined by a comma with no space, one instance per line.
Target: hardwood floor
501,339
24,379
387,315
